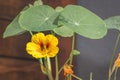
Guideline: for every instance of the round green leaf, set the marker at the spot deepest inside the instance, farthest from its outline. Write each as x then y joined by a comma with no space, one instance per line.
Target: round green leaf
83,22
63,31
38,18
113,22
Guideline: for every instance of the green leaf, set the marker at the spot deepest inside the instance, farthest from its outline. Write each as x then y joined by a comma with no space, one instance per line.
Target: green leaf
113,22
59,9
13,29
63,31
38,18
75,52
38,2
83,22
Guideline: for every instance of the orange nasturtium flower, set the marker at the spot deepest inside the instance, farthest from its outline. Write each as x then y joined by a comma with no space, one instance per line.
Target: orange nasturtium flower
117,62
68,70
42,46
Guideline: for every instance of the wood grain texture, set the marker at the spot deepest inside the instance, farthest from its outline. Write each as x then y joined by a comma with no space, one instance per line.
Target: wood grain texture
10,8
55,3
16,69
13,46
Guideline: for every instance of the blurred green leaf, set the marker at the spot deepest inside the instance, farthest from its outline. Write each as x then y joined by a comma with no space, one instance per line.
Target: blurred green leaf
59,9
83,22
13,29
38,2
38,18
63,31
75,52
113,22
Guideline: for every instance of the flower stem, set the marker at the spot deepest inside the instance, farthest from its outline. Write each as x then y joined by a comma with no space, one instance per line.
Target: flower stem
70,57
31,33
43,68
63,65
91,76
73,45
115,75
71,54
76,77
56,65
49,69
113,54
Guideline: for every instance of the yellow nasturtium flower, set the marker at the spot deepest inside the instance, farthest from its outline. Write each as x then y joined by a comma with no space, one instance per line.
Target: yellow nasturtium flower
42,46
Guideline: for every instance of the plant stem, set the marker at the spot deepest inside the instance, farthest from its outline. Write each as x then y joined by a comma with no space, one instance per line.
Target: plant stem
71,54
43,68
67,77
115,76
70,57
56,65
49,69
91,76
31,33
73,45
113,54
76,77
63,65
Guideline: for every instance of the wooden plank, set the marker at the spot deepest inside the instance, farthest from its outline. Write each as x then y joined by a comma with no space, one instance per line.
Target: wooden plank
13,46
10,8
12,69
55,3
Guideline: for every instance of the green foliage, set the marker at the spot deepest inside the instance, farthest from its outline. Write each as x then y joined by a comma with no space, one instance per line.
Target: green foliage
63,21
13,29
59,9
113,22
75,52
38,18
38,2
83,22
63,31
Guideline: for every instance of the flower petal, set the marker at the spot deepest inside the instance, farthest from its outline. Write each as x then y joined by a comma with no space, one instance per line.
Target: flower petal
52,40
52,51
34,50
39,37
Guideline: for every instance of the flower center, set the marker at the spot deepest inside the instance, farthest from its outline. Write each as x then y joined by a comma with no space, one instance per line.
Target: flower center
47,45
44,47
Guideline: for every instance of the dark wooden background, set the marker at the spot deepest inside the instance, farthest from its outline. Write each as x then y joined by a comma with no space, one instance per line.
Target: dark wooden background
15,64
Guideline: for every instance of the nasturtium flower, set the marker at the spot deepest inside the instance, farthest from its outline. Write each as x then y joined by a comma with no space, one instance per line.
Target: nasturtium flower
42,46
117,62
68,70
